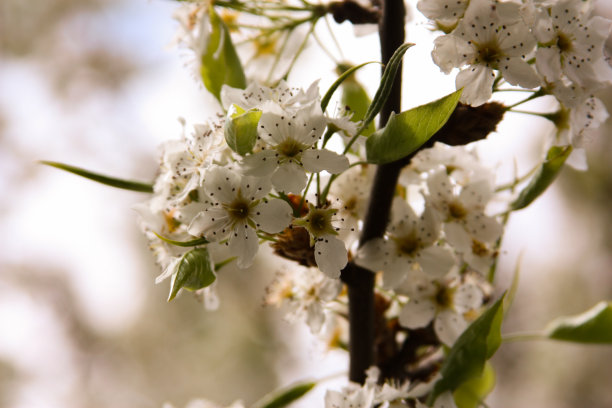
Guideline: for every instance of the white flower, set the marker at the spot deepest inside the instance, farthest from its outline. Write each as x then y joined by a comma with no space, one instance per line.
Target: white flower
487,38
351,192
572,45
238,210
369,394
461,209
460,163
578,125
290,150
261,97
330,252
185,161
307,293
409,247
441,300
446,12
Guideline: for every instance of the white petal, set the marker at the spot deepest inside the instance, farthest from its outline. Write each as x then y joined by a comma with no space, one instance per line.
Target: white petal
315,160
518,72
448,326
272,216
477,83
436,261
260,164
548,63
417,313
451,52
457,237
289,178
169,271
577,160
255,188
213,223
467,297
484,228
219,183
373,254
476,194
315,317
243,244
330,255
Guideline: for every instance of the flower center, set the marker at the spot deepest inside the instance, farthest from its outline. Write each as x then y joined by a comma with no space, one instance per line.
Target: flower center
444,297
318,221
456,211
407,245
564,42
489,53
239,209
290,147
479,249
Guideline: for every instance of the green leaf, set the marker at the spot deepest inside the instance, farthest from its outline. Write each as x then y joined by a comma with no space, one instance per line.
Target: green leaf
406,132
285,396
466,359
472,392
241,129
593,326
109,181
220,64
193,242
344,76
194,271
546,174
386,83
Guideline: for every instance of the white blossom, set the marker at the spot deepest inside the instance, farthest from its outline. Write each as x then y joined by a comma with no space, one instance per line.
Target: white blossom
488,38
307,292
330,252
290,149
262,97
442,300
238,210
572,45
462,209
409,247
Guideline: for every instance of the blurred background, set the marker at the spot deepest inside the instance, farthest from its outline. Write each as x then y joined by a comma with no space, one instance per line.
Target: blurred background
94,83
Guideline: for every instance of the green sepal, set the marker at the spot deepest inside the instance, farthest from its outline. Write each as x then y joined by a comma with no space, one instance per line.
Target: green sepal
220,64
344,76
386,84
191,243
194,271
593,326
409,130
466,359
109,181
472,392
241,129
285,396
546,174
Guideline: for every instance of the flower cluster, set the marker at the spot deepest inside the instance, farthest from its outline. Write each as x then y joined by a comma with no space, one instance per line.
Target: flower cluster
265,173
